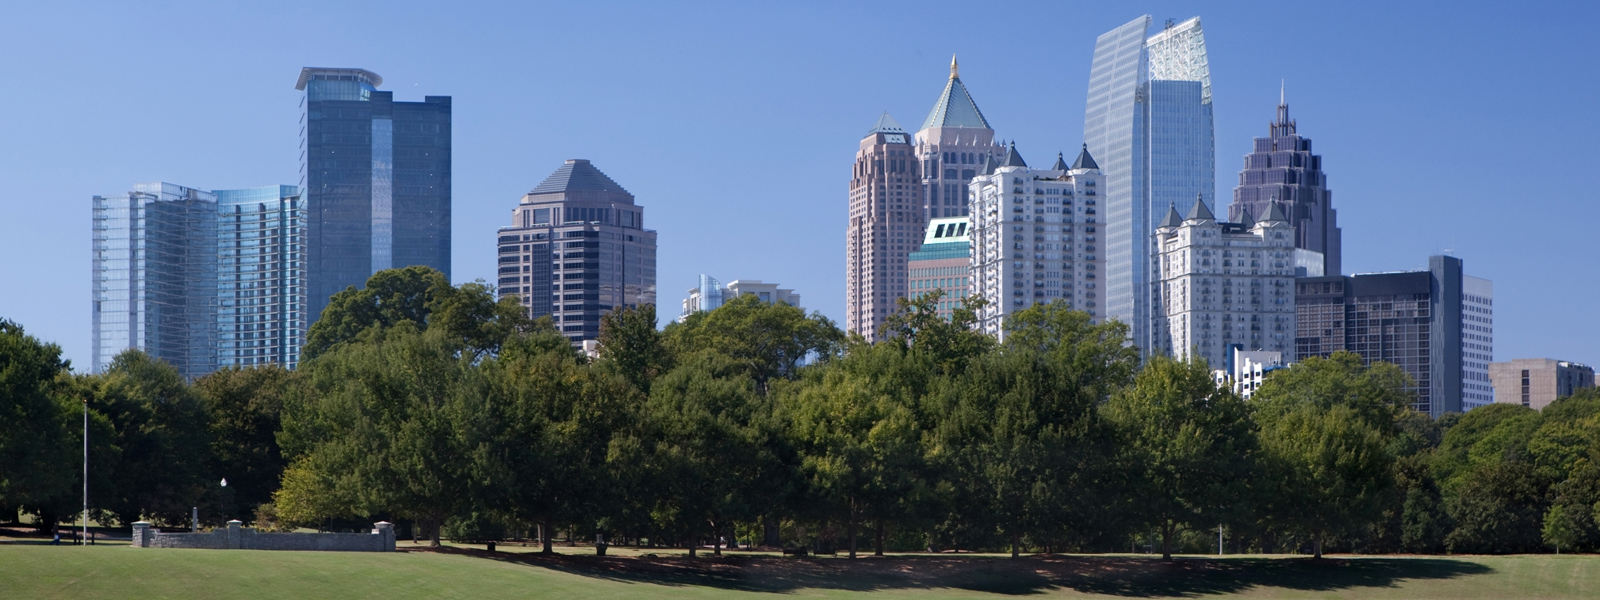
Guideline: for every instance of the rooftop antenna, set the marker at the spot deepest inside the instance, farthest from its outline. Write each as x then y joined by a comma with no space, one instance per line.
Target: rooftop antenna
1280,90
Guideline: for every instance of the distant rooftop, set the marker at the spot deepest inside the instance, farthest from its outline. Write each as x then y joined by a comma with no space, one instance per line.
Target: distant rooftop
362,75
577,175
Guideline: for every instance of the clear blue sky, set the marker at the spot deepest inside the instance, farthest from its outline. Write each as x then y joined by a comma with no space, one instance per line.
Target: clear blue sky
1468,127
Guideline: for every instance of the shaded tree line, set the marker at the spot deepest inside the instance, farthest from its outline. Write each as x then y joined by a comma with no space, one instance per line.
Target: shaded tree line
759,424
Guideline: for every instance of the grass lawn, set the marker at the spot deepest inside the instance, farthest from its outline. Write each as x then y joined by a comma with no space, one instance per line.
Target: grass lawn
30,570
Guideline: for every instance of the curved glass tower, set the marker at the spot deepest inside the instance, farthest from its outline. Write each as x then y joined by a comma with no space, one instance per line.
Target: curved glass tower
1148,122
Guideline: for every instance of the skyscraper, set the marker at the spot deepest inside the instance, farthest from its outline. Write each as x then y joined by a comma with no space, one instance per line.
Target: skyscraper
261,312
155,276
953,144
1426,322
886,217
576,249
201,280
1227,286
1281,169
1148,120
1034,237
376,175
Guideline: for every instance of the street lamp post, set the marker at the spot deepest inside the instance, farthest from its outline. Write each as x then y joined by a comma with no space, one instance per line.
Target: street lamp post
225,499
85,469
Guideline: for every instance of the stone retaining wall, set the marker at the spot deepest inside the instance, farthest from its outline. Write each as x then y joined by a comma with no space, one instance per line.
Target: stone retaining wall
236,537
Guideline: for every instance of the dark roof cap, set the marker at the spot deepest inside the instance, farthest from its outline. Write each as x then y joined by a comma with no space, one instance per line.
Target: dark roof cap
1172,220
1084,160
1200,211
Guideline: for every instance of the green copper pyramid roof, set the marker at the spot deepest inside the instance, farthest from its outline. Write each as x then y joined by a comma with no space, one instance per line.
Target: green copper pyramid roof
885,124
955,107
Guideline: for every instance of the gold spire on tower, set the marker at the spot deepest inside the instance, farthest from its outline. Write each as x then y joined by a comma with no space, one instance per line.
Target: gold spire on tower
955,71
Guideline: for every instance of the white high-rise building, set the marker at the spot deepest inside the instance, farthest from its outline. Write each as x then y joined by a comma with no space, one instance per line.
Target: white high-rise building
1034,237
1227,286
1477,341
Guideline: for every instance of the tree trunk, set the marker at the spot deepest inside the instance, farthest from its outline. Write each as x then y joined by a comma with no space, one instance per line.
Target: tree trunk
716,540
1166,540
433,532
694,542
545,532
1317,546
1016,545
770,536
852,531
878,549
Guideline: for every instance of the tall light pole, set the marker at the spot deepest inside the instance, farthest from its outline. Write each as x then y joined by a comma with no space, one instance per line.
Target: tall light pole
86,470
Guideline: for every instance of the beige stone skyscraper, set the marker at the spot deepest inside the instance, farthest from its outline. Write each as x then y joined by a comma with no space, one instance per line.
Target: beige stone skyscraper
898,184
954,143
885,224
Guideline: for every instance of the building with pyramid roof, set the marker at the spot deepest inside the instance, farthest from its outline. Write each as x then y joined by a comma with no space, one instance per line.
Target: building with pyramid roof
1281,171
576,249
953,144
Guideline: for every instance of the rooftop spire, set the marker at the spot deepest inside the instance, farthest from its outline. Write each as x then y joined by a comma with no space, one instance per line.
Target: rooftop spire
1061,163
1084,160
955,70
955,107
1282,127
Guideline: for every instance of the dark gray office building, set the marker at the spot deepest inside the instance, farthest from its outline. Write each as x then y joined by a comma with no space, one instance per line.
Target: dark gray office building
1282,169
1421,321
576,249
376,175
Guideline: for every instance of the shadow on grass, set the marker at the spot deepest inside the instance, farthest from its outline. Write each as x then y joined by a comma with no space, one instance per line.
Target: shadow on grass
1119,576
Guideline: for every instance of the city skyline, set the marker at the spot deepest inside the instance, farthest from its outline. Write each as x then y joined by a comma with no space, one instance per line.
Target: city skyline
251,138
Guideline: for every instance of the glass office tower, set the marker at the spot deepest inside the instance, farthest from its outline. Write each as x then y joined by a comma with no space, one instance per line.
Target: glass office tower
1148,121
376,175
260,295
154,276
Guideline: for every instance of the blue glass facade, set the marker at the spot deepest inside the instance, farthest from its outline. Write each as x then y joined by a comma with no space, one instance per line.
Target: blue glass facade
1148,122
376,178
154,276
260,298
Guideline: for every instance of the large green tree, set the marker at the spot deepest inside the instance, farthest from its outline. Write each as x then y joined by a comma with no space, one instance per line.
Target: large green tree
377,424
767,340
161,430
1189,447
425,298
1328,426
244,407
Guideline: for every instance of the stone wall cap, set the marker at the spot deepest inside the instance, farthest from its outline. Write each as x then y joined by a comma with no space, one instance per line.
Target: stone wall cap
144,523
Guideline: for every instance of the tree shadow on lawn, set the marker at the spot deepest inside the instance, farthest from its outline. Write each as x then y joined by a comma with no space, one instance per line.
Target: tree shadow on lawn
1110,575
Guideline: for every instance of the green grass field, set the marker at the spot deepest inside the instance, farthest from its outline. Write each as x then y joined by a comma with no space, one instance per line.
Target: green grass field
30,570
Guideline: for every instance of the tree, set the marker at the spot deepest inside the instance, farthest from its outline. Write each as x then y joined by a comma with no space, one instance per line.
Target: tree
1189,447
707,451
425,298
949,343
631,346
1021,435
768,340
244,407
541,455
1328,427
380,421
859,436
32,431
1498,508
160,427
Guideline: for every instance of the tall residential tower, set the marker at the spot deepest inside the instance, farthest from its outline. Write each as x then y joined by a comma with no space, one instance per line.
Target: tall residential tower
1148,120
376,175
886,217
